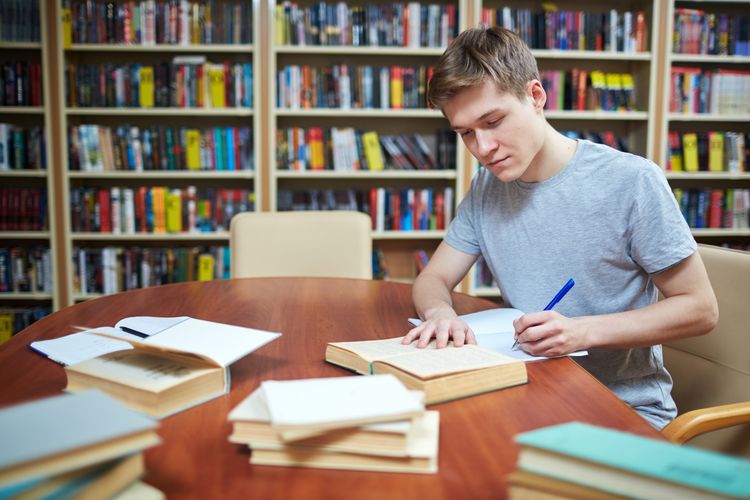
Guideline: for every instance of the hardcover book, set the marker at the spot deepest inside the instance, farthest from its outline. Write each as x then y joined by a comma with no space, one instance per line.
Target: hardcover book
155,365
626,464
443,374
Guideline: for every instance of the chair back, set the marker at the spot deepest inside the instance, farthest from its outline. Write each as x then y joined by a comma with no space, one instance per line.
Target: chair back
305,243
714,369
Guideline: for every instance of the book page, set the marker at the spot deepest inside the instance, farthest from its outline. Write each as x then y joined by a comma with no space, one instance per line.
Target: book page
431,362
150,325
328,401
220,342
77,347
141,370
503,343
370,350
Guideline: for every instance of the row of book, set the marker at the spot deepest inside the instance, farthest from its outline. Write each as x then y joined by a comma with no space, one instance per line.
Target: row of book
693,90
346,149
390,209
607,137
708,151
715,208
372,423
26,269
117,269
699,32
22,148
85,445
20,83
19,21
150,22
483,275
98,148
15,319
23,209
188,81
554,29
398,24
347,86
156,209
579,90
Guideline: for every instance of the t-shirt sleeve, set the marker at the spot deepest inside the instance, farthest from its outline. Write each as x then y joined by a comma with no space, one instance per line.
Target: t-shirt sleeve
462,234
660,236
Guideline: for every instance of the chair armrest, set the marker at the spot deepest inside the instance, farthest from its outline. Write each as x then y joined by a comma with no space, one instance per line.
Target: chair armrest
693,423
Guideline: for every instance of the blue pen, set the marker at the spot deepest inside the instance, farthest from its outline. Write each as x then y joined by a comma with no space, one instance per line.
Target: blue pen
565,289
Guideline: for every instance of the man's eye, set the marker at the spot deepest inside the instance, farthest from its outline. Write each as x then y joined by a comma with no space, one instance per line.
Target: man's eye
466,133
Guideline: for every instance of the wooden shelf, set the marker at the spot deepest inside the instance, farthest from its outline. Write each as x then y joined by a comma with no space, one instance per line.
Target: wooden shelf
23,173
368,174
22,110
706,117
597,115
165,174
24,235
186,112
707,176
360,113
705,58
20,45
347,50
25,296
182,237
408,235
591,55
203,48
721,232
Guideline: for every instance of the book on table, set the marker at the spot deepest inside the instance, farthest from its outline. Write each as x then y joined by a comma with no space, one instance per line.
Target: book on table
335,402
68,432
156,365
334,436
103,480
523,485
251,425
443,374
621,463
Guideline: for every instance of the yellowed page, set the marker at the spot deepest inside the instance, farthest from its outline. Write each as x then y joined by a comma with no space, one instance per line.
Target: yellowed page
371,350
140,370
431,362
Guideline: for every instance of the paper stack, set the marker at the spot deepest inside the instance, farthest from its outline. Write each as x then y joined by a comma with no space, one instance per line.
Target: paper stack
83,445
359,423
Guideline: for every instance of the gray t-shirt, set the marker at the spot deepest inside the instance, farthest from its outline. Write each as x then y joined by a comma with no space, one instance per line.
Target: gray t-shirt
608,220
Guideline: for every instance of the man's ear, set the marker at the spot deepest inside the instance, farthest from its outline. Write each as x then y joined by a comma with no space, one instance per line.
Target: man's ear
536,93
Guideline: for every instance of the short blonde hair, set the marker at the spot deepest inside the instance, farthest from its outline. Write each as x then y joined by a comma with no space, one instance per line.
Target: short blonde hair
480,53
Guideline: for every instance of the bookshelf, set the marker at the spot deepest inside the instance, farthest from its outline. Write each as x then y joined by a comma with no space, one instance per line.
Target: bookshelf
28,248
636,127
701,132
344,115
181,95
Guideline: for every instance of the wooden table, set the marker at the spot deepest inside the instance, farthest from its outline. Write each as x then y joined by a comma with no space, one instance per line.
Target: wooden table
196,460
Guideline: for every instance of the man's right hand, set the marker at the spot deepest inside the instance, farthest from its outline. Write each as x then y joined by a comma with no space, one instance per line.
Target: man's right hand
443,330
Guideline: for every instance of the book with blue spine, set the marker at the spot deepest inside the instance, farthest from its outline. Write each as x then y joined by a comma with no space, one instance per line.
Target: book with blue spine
628,464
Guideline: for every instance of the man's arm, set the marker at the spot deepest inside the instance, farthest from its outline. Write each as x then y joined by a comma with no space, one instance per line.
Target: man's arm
432,298
688,309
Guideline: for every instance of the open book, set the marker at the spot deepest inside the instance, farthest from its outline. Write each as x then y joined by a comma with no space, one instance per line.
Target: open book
443,374
155,365
494,330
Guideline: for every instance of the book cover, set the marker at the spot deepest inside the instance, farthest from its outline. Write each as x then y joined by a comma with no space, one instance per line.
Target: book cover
65,432
642,467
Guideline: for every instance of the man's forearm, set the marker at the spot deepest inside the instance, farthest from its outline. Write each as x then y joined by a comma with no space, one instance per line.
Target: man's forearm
432,298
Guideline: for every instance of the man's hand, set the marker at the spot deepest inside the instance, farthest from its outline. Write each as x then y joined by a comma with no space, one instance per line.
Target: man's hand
549,333
443,330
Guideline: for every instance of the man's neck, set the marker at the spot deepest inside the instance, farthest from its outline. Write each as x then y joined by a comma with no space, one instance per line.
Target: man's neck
554,155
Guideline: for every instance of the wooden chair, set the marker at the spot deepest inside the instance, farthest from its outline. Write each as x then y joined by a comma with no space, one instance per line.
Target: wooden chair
305,243
712,372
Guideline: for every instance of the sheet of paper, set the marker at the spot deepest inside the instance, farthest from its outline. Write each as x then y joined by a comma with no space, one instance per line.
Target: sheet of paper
330,401
503,343
222,343
150,325
77,347
497,320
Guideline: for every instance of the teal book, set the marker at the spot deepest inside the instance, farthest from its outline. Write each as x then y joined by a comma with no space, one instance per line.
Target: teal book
62,433
631,465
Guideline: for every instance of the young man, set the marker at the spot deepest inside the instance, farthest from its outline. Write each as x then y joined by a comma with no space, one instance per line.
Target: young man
545,208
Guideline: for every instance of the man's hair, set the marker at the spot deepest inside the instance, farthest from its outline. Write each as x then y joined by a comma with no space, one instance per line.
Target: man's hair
478,54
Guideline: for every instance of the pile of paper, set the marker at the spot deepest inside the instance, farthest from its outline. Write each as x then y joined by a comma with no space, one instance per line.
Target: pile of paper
361,423
84,445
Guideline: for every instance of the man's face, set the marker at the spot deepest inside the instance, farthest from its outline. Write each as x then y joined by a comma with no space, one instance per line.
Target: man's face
503,132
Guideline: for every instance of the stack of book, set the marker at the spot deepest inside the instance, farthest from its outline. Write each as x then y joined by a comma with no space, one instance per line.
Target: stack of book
581,461
83,445
357,423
